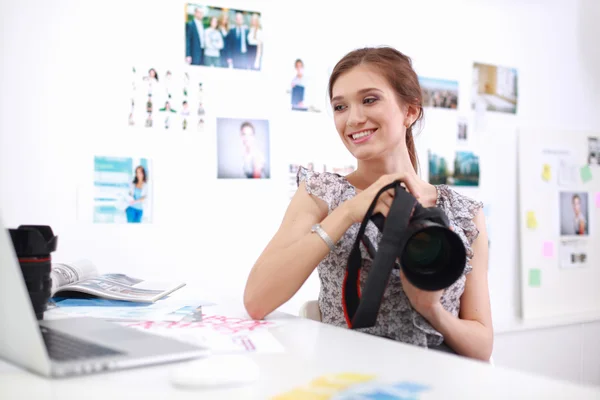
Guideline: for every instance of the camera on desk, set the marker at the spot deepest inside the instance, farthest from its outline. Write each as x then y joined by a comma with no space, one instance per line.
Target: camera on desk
33,246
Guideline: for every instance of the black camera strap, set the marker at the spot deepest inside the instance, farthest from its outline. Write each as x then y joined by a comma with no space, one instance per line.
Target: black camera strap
361,311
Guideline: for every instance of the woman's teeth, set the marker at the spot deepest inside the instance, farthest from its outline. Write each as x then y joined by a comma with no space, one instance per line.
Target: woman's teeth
362,134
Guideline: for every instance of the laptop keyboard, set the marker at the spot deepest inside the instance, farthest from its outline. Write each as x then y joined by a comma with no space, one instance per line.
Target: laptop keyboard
62,347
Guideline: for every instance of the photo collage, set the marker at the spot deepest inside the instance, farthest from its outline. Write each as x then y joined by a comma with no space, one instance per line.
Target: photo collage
170,96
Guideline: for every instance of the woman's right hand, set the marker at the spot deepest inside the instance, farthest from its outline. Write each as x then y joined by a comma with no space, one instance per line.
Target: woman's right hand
358,205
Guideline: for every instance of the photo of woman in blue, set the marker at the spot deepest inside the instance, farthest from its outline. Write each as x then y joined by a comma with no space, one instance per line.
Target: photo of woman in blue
139,192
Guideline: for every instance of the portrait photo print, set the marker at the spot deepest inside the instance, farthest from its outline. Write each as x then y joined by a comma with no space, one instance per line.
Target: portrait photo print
122,190
223,37
243,148
574,217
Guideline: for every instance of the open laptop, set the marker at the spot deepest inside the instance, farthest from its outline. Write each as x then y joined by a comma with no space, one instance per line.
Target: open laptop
71,346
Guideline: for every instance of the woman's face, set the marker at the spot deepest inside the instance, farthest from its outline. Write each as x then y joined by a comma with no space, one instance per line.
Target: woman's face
577,205
248,136
367,114
139,172
213,22
152,73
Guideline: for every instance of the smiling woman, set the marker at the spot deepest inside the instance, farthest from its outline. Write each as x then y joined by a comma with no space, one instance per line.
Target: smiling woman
376,100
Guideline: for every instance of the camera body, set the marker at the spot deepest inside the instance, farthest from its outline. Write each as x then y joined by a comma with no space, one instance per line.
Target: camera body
431,255
33,246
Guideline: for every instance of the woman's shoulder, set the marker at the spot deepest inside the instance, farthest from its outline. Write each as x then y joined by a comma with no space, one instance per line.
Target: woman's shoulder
326,185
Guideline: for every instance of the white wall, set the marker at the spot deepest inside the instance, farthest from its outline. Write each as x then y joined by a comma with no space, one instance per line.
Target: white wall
64,81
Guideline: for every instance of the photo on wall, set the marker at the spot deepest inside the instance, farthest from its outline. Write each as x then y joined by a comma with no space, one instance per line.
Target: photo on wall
439,92
243,148
574,216
573,253
593,151
461,135
166,99
122,190
223,37
494,88
303,87
454,168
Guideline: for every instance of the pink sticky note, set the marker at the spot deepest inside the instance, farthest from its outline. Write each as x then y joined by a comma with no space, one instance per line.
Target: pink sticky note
548,250
598,200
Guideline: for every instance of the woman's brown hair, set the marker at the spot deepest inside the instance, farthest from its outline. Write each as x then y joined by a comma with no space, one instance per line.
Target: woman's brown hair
398,71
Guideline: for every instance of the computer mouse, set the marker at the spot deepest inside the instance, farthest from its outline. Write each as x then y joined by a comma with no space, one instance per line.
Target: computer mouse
215,371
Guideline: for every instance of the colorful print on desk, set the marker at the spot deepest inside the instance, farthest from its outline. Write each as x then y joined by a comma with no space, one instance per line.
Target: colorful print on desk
494,88
218,37
122,190
347,386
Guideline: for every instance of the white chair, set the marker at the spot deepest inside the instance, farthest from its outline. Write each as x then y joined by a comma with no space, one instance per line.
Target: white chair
311,310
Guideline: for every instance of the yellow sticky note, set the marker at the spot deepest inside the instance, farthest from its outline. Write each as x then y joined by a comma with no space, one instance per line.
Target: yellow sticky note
531,220
546,172
325,387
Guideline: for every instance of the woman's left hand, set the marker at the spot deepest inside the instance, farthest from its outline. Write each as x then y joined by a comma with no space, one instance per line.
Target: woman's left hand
423,301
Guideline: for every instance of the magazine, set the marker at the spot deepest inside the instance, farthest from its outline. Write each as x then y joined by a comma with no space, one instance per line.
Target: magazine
81,279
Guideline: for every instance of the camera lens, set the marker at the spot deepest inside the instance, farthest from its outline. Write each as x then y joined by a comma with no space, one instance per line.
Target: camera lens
433,257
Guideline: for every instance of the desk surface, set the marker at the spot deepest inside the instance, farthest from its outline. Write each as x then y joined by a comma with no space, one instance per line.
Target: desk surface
312,349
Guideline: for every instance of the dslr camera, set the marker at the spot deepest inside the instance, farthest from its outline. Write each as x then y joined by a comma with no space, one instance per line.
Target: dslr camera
431,255
33,246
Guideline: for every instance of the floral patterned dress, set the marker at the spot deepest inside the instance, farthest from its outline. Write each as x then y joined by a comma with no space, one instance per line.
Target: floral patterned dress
397,319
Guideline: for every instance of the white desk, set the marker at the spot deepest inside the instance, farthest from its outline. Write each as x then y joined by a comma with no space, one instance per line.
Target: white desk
313,349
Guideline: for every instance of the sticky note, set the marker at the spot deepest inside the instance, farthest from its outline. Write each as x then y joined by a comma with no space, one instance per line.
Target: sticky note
546,172
548,249
598,200
535,277
586,173
531,220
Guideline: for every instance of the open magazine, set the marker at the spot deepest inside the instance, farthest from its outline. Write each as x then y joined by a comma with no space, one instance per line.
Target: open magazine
81,279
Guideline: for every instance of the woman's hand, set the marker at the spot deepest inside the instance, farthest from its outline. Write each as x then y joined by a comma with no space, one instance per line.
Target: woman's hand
424,302
358,205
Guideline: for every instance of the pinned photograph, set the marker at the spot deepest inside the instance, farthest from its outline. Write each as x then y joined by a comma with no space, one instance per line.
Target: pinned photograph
243,148
574,218
223,37
593,151
163,99
494,88
573,253
439,93
302,91
460,168
122,190
462,130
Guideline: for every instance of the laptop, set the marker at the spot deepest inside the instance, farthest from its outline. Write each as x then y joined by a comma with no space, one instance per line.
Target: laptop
72,346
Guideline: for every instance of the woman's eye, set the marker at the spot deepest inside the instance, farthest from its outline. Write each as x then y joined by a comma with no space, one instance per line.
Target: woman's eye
338,108
370,100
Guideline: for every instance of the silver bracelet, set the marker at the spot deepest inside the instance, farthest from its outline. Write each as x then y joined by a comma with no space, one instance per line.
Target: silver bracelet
316,228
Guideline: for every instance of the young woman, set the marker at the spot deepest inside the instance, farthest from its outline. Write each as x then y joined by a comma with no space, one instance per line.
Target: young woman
376,101
214,43
139,192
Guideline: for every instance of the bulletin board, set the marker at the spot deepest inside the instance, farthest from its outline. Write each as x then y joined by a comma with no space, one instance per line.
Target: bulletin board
559,223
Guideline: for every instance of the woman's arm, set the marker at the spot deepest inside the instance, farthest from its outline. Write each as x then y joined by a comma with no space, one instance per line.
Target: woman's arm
293,253
471,334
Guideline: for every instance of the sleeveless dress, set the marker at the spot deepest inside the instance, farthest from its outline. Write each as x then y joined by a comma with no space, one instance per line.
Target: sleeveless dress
397,319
